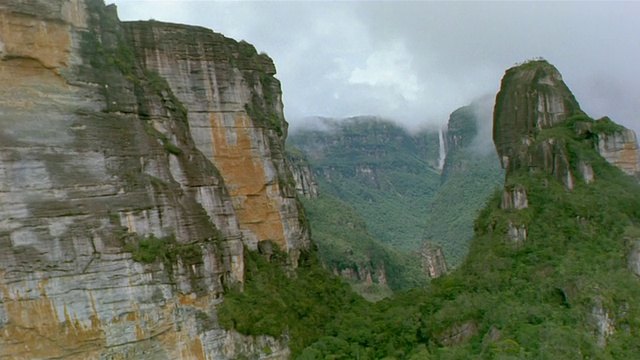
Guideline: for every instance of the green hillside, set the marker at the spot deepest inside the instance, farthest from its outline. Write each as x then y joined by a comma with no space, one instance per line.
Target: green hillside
552,277
564,293
344,243
471,174
387,175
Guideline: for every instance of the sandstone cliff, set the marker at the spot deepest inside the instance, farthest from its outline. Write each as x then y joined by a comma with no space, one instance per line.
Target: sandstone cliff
131,180
532,98
234,110
306,183
558,179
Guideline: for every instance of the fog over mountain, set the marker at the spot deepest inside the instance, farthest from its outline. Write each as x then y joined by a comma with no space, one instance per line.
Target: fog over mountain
416,62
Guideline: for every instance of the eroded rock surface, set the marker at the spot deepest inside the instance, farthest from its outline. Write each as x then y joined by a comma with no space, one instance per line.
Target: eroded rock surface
620,148
99,163
234,108
532,97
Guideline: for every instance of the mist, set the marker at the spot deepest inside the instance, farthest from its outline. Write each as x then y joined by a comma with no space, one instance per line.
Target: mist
482,144
415,62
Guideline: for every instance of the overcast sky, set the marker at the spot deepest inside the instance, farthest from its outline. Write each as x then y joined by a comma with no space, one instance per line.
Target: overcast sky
416,62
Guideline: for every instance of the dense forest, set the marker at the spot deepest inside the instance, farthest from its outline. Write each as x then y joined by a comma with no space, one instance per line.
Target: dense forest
551,278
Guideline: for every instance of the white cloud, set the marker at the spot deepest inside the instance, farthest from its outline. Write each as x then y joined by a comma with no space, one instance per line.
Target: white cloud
391,70
417,61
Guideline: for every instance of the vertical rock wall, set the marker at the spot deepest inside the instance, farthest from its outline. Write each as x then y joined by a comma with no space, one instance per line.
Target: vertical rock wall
235,115
532,97
118,232
620,149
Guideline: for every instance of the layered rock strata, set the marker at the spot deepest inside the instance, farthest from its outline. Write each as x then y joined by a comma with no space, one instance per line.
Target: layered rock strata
305,180
234,110
118,231
620,148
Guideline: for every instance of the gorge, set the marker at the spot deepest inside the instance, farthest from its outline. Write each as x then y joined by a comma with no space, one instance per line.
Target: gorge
149,210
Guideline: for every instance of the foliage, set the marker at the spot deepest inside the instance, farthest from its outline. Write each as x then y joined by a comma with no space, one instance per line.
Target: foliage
533,299
384,173
297,305
167,249
148,249
530,300
344,243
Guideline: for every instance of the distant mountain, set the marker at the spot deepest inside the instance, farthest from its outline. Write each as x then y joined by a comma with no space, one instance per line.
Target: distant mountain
345,245
386,174
393,179
552,271
470,175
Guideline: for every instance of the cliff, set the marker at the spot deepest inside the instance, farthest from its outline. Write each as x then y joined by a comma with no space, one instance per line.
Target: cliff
234,111
471,173
306,183
434,264
137,161
533,97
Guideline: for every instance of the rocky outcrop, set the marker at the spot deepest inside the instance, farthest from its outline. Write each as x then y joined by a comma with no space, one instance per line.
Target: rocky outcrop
603,323
517,233
363,274
305,180
620,148
434,264
514,198
532,97
118,230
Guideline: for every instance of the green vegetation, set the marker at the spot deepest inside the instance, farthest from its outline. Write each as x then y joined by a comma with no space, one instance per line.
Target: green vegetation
344,243
458,201
384,173
538,299
296,305
171,148
387,176
471,174
150,249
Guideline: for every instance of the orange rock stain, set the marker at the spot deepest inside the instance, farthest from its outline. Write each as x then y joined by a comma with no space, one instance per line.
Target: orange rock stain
245,176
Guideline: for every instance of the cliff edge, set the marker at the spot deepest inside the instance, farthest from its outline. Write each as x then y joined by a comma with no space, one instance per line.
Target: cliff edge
137,162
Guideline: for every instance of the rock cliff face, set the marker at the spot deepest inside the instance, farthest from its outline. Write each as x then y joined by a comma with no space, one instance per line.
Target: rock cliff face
621,149
234,110
306,183
130,182
533,97
434,264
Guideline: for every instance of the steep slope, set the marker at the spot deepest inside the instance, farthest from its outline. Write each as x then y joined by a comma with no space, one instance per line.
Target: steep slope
122,221
552,271
386,174
344,244
470,175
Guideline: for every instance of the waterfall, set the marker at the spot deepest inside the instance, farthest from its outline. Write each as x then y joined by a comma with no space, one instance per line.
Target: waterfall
443,151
